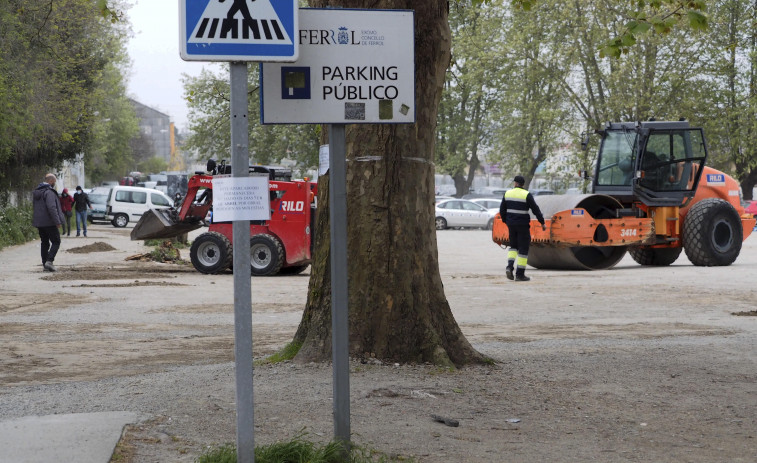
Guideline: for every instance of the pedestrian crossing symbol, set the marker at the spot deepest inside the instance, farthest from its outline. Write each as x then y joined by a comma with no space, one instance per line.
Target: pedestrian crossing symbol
238,30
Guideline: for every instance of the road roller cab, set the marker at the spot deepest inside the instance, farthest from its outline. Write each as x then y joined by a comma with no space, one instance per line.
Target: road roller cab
652,195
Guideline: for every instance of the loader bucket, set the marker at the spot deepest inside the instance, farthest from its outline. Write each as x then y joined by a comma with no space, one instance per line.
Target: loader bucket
158,223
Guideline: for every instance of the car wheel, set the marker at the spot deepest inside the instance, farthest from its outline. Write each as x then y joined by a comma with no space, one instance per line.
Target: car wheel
120,220
211,253
266,255
441,223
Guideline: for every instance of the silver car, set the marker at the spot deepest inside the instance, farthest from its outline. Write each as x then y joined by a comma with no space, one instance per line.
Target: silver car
98,197
489,203
464,214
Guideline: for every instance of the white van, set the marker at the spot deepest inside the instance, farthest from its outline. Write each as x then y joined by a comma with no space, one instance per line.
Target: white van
128,203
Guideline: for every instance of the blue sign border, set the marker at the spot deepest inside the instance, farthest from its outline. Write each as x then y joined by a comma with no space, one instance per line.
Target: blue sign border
190,14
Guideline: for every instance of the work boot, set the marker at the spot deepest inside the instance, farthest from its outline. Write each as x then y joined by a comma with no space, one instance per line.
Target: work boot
509,273
49,267
522,278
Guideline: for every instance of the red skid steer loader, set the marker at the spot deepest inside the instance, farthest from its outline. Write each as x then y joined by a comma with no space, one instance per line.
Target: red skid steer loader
281,245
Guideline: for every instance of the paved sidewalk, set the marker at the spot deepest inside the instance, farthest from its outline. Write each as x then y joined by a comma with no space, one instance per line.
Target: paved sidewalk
77,437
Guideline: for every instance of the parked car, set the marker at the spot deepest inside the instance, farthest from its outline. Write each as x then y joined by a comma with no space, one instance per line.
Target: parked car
486,192
442,198
751,208
489,203
463,213
127,203
538,192
98,196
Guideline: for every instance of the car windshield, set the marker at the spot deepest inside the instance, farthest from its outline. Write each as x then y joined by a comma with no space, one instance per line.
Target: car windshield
98,198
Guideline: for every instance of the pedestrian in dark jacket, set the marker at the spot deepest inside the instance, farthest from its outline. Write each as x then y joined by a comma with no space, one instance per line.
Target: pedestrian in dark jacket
47,217
66,204
81,203
514,212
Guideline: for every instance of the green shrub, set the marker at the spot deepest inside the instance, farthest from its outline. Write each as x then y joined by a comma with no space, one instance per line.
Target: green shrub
16,226
298,450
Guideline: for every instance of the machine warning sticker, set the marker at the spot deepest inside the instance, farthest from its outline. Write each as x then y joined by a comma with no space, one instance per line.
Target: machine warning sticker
716,179
577,212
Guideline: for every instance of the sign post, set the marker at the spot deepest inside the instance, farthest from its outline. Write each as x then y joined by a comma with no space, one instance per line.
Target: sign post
238,31
339,295
355,66
242,272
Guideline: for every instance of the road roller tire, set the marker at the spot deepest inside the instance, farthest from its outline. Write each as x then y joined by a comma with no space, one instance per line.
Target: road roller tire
654,256
211,253
712,233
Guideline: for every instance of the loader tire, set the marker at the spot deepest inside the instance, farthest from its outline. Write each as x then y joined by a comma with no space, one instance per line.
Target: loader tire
266,255
654,256
712,233
211,253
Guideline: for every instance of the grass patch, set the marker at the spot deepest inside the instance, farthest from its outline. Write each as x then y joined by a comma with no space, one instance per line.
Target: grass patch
287,353
176,243
16,226
299,450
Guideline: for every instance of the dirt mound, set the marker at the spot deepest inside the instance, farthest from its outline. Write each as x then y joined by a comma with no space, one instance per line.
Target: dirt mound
97,246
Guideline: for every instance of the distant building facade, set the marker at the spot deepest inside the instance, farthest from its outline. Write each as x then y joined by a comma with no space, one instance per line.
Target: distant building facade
156,128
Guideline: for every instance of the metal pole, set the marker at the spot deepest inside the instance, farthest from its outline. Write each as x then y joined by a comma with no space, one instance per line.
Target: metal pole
242,286
339,302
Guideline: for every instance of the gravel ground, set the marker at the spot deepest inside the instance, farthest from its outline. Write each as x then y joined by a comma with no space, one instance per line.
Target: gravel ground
629,364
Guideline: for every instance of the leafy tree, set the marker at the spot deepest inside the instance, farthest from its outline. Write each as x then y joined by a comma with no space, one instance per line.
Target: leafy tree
208,97
53,61
640,18
114,129
153,164
533,114
471,91
731,122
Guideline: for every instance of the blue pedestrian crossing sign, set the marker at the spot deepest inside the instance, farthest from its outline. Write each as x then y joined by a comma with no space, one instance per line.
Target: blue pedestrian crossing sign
238,30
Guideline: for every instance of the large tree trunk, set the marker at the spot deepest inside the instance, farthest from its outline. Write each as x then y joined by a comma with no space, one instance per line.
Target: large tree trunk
397,308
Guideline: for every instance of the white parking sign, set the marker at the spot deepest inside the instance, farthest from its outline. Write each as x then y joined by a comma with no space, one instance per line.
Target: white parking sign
355,66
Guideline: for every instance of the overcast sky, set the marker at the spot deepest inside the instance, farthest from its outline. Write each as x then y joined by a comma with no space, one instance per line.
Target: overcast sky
156,70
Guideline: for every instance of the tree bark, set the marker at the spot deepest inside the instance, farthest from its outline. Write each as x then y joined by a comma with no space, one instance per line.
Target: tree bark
397,308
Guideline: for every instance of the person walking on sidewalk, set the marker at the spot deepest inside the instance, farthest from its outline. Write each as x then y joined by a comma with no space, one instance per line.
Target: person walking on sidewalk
81,203
47,217
66,204
514,212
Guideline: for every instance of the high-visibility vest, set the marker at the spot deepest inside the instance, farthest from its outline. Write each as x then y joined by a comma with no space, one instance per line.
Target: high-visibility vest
517,207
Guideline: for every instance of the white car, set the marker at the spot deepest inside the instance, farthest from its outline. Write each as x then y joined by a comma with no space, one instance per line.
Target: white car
129,203
463,213
489,203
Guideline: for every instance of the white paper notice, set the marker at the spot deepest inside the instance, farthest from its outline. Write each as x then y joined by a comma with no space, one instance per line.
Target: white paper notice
241,198
323,159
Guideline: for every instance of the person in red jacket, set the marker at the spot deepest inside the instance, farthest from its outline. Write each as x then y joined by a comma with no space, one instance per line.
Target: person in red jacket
66,204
